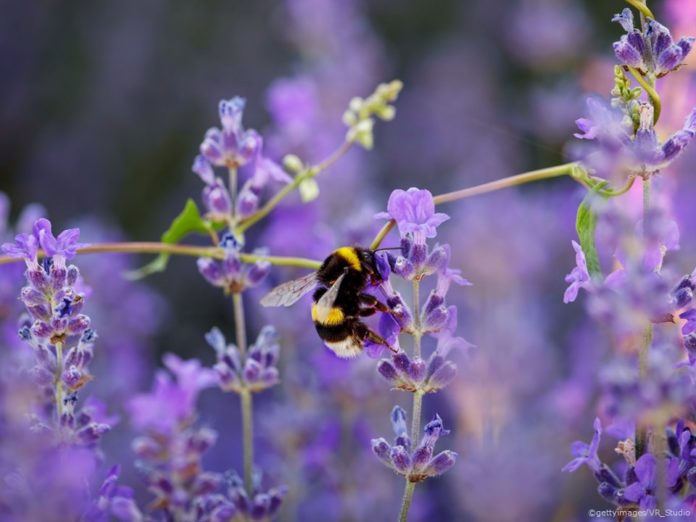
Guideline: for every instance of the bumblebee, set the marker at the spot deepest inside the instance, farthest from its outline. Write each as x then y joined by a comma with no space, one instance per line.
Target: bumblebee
339,299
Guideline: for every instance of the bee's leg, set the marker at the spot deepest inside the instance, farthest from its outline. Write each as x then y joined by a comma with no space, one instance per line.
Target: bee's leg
366,312
365,334
370,301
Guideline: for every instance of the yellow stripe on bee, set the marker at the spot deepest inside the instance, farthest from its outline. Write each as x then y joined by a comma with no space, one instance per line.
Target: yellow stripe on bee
332,318
350,255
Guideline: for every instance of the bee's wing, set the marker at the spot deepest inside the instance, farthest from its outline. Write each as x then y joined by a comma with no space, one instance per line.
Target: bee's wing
289,293
326,301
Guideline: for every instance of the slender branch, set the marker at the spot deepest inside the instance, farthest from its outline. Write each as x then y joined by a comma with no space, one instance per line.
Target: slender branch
182,250
649,89
239,323
406,502
382,234
567,169
640,6
618,192
311,172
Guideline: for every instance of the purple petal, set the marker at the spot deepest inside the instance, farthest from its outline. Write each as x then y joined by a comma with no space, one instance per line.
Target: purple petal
441,463
645,470
627,54
625,18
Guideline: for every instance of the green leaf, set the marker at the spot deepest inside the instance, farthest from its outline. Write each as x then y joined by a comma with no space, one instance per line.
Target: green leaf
585,224
189,221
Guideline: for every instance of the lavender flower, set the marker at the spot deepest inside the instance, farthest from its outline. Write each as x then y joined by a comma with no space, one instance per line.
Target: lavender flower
231,146
417,464
114,500
643,491
586,453
238,506
230,273
414,213
616,148
259,371
579,277
652,51
171,403
171,446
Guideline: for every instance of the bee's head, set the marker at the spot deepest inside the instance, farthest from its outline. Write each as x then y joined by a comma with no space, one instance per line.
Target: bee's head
368,262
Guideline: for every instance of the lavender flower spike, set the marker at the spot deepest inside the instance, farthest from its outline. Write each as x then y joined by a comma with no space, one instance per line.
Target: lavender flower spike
231,147
650,51
419,464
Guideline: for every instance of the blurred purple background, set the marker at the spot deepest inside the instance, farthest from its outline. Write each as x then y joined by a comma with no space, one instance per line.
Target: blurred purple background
102,109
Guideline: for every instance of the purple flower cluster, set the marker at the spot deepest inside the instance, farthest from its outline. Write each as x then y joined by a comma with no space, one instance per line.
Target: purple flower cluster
59,334
638,485
419,463
258,371
414,213
172,445
651,50
402,373
233,147
230,273
61,436
621,147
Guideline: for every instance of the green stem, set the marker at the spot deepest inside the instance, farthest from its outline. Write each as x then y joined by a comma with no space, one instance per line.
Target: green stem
567,169
406,502
248,440
382,234
182,250
311,172
651,92
58,380
239,323
640,6
245,396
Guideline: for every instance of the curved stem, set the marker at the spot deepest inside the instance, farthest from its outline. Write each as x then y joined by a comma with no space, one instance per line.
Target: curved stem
245,396
182,250
651,92
640,6
567,169
311,172
618,192
382,234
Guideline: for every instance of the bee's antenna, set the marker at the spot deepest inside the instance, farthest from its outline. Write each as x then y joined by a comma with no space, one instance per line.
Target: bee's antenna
387,248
